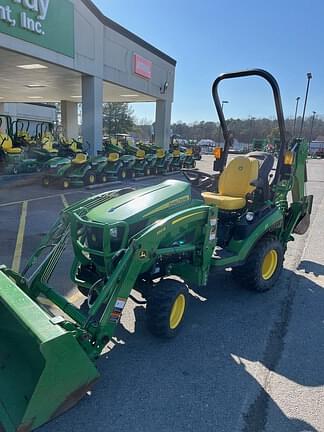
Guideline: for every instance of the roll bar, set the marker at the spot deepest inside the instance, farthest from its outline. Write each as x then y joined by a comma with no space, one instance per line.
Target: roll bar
280,116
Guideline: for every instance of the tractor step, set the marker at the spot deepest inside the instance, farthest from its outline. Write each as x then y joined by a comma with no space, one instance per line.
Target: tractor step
221,253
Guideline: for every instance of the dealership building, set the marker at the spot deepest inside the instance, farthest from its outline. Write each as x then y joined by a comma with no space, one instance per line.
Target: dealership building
69,52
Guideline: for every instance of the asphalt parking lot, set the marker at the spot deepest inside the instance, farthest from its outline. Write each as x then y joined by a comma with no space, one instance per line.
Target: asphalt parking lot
243,362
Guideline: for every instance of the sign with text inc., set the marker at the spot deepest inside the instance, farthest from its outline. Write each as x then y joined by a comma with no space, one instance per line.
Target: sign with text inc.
47,23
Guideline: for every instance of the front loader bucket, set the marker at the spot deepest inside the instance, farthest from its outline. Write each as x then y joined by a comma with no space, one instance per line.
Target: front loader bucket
43,369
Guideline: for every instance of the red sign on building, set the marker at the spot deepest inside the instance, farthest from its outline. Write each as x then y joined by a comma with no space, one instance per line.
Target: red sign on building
142,66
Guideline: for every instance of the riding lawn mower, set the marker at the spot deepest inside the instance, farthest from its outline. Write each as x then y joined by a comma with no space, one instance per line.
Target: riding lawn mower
144,162
14,158
158,241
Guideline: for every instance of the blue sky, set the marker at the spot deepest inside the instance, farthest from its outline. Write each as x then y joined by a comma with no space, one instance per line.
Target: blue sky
208,37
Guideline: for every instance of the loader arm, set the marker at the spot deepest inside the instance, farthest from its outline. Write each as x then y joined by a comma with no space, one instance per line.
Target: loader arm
144,251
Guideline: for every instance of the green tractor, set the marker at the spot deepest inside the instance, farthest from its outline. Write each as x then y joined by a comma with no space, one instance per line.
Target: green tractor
150,156
44,146
144,162
178,157
162,158
259,144
163,161
120,165
68,147
80,171
189,160
157,240
13,158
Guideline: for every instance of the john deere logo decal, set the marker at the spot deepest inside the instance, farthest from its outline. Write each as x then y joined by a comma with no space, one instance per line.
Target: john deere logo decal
240,168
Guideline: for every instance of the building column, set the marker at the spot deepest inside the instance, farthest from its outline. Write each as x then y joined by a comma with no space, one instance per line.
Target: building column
69,113
92,115
163,123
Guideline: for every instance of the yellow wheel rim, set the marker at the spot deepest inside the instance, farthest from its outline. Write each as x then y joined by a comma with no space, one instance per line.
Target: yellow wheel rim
66,184
92,179
177,311
124,174
269,265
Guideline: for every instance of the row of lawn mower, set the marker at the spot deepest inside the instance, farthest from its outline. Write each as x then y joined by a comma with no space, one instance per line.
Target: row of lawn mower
120,159
22,153
67,163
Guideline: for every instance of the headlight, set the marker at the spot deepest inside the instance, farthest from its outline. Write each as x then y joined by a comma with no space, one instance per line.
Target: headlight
249,216
114,233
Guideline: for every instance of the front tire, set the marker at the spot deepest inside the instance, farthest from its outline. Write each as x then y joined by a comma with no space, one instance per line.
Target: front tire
90,178
46,181
263,267
166,308
103,178
122,174
147,171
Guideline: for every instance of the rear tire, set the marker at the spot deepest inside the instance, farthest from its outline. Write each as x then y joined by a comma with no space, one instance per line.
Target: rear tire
263,267
66,183
147,171
166,308
131,174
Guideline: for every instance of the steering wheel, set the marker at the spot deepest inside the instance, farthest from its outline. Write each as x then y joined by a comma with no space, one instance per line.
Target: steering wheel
201,180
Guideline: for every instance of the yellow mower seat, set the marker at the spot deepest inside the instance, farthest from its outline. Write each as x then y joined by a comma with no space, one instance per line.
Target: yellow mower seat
113,157
80,159
74,147
7,145
140,154
48,142
160,153
234,184
176,153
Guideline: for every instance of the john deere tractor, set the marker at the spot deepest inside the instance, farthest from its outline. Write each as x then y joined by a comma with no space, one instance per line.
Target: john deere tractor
144,163
161,159
14,159
157,240
119,164
80,171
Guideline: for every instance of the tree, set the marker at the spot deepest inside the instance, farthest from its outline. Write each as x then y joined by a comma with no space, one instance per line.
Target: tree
118,118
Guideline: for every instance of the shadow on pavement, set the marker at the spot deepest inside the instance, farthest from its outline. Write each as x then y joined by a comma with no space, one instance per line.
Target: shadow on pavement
312,267
196,381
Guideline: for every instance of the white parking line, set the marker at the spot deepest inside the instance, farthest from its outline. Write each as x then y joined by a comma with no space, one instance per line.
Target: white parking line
64,201
43,198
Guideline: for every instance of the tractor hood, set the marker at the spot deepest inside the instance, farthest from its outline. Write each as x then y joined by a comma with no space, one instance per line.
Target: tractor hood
147,204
